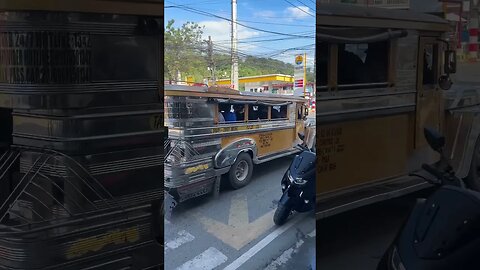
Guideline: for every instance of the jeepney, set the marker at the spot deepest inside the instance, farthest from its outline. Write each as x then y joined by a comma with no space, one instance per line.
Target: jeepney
216,131
81,154
382,77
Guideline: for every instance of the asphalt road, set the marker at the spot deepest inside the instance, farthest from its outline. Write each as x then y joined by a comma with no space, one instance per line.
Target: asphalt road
236,230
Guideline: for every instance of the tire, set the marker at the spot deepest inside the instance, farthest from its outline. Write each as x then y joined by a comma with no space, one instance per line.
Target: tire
240,173
473,178
282,213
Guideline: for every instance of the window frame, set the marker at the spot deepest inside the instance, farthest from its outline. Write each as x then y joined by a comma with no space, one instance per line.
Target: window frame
333,86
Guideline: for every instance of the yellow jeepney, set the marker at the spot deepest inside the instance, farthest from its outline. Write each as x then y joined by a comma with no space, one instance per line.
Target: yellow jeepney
382,77
215,131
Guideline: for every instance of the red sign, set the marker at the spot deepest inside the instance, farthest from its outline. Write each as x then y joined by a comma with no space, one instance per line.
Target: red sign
299,83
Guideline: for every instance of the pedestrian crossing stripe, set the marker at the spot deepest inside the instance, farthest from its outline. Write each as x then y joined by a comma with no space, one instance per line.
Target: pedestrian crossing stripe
209,259
183,238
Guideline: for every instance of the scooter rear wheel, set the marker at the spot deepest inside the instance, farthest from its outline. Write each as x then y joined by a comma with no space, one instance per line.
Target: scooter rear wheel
282,213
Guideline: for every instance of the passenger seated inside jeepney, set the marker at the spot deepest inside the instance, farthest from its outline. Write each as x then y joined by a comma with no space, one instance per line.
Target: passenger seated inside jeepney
230,112
257,112
279,112
362,63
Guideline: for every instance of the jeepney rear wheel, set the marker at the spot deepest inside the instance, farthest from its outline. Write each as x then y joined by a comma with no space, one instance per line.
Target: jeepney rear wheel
240,173
473,178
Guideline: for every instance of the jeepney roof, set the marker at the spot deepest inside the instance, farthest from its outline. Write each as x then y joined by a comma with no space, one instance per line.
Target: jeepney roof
228,92
126,7
356,16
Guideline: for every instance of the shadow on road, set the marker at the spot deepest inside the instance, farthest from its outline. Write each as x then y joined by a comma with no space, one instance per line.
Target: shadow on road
260,171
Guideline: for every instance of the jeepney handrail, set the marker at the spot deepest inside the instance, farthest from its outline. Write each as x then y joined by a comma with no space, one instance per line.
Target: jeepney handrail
362,95
387,35
248,102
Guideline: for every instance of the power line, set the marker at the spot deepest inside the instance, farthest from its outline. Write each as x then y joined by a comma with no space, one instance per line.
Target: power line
305,5
299,8
208,14
282,24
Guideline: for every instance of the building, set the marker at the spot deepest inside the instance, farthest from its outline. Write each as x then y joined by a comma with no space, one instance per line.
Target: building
271,83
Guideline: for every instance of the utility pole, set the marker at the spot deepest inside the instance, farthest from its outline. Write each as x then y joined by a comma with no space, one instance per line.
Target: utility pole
211,63
304,74
234,76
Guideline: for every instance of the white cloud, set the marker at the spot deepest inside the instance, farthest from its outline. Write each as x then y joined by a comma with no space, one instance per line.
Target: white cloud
289,57
265,14
220,31
300,12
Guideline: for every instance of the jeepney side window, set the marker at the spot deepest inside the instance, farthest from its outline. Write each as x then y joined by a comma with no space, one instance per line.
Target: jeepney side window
257,112
300,111
430,64
363,63
323,56
279,112
228,113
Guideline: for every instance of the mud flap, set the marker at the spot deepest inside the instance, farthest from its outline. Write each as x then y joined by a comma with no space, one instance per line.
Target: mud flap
170,203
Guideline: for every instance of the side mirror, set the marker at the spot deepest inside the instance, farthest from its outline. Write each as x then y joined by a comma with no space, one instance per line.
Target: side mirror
301,136
445,82
450,61
434,139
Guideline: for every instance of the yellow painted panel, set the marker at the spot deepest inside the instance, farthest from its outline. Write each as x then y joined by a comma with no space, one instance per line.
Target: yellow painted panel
96,243
267,142
358,152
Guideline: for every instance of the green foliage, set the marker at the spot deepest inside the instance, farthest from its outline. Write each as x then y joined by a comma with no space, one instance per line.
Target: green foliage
182,52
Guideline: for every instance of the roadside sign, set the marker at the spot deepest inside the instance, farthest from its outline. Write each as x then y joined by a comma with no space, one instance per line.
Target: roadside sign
299,73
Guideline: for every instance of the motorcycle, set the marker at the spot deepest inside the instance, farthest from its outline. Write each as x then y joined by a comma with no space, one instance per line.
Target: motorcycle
298,185
443,231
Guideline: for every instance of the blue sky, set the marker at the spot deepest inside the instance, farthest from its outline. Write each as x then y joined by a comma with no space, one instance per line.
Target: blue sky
294,19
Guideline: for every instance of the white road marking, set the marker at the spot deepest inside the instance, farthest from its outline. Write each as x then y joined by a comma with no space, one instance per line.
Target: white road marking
286,255
207,260
260,245
312,234
184,237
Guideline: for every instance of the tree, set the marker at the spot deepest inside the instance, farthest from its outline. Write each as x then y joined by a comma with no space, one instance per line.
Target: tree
183,50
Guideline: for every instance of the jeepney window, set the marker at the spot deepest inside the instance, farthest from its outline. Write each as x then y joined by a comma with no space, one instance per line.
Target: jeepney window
279,112
429,64
322,55
228,112
300,111
363,63
257,112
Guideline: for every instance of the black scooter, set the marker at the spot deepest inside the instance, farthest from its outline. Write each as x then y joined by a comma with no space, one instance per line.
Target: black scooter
443,231
298,185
